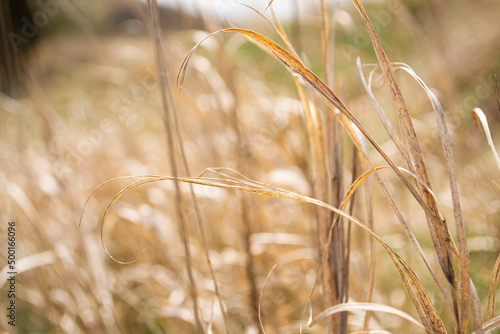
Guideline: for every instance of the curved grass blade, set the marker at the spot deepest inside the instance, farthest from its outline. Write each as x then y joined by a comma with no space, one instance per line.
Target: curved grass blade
101,185
277,28
479,115
108,208
261,295
269,4
419,296
365,307
383,117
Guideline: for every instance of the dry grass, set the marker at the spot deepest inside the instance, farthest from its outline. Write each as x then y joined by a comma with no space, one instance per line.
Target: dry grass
96,111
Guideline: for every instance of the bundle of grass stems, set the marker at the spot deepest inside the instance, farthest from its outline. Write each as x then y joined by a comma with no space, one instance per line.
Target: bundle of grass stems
352,197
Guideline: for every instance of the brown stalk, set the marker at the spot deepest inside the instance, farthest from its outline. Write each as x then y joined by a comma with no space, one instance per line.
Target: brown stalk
245,203
167,108
336,272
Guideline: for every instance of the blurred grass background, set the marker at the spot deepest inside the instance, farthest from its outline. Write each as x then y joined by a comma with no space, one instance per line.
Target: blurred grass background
91,111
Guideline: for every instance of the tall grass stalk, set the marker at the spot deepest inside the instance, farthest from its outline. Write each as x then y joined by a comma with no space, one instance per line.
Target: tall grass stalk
170,124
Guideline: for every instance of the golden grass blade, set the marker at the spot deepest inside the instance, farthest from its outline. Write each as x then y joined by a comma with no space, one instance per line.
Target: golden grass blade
479,115
261,295
269,4
278,28
420,298
408,285
463,253
364,307
101,185
108,208
437,227
490,310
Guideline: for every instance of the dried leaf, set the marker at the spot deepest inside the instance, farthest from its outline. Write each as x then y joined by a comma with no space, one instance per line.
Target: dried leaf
479,115
364,307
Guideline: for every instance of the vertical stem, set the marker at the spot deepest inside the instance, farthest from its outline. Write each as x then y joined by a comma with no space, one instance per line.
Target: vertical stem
338,260
242,147
167,102
250,264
